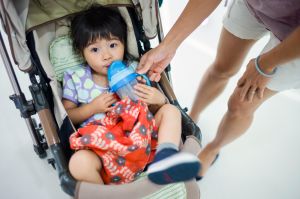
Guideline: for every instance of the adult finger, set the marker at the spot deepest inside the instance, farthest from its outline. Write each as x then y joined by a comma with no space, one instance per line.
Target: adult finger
251,93
260,92
150,75
160,67
244,91
241,82
164,60
145,64
153,76
158,76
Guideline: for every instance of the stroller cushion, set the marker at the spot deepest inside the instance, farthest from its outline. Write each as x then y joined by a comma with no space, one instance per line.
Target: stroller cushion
63,57
174,190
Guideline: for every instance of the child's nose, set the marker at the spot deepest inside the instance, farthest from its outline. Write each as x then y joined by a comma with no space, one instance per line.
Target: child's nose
106,55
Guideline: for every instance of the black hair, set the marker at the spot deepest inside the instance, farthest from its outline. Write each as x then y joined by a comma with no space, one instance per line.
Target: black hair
97,22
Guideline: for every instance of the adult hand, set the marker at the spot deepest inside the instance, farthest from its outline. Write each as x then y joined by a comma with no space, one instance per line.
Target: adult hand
103,102
252,83
155,61
149,94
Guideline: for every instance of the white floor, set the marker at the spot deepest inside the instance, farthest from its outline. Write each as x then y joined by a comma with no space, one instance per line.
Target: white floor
262,164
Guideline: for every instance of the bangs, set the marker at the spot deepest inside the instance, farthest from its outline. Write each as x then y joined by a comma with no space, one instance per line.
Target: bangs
100,33
97,23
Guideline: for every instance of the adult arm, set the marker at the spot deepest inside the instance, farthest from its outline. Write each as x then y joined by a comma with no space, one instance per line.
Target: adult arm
254,83
157,59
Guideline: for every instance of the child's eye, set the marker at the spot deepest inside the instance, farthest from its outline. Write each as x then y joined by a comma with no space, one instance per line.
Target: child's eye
113,45
95,50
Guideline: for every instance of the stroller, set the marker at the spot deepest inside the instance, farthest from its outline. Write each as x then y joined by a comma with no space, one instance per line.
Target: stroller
31,26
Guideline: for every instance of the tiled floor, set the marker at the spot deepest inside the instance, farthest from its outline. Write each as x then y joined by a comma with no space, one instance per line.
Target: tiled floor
262,164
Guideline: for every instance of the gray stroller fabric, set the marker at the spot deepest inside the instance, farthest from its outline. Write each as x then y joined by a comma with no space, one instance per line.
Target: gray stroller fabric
44,11
14,14
21,16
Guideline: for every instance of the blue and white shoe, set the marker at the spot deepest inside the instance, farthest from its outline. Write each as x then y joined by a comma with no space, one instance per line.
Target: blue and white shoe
170,166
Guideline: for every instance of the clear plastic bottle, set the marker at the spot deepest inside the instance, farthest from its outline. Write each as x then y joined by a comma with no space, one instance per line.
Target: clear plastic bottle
127,90
122,79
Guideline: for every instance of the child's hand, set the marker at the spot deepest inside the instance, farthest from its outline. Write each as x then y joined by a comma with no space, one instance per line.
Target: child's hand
141,80
149,94
103,102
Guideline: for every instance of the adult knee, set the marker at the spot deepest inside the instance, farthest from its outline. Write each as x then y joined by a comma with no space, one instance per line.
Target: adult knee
239,108
222,70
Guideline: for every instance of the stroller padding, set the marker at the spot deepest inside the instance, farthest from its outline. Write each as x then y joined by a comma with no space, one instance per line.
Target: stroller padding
142,188
63,57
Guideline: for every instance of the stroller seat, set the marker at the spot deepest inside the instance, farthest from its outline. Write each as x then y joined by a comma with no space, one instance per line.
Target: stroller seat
62,58
47,21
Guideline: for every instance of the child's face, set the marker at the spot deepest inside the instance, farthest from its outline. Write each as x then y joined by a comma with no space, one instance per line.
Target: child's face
101,53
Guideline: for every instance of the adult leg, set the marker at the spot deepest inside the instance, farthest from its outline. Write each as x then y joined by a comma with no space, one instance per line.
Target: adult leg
85,165
230,55
235,122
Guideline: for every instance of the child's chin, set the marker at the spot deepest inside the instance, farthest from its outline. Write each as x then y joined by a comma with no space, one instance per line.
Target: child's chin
104,72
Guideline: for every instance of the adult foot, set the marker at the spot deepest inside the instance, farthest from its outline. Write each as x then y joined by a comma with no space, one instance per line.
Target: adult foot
207,157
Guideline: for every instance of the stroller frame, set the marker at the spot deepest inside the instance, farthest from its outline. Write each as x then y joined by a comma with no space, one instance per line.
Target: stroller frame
41,93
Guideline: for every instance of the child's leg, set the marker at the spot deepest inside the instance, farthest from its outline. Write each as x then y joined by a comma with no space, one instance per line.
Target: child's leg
168,119
169,165
85,165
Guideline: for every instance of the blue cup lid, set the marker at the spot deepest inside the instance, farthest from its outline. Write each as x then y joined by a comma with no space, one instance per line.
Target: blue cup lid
119,74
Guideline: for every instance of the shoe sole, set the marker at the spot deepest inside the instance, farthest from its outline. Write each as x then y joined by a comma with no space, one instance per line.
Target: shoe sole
177,168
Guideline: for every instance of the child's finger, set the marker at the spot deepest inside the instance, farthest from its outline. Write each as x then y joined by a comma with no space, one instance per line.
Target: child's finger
108,98
140,94
141,80
140,89
109,109
110,101
106,95
143,87
144,99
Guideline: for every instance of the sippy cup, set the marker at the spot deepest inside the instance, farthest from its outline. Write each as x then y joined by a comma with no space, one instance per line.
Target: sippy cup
122,79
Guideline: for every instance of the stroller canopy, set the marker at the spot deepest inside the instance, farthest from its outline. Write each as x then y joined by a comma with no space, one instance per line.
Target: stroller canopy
19,17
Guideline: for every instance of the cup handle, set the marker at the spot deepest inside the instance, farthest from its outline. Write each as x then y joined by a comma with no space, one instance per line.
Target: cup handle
145,77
